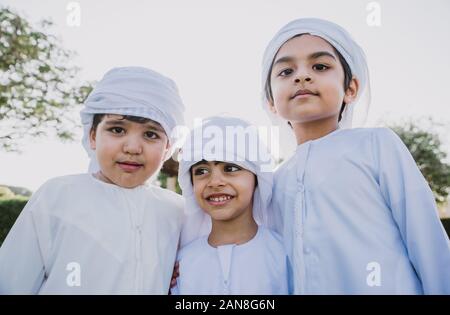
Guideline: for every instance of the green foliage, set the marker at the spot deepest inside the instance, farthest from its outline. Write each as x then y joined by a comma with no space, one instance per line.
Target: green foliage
9,211
426,148
178,188
162,178
37,82
446,224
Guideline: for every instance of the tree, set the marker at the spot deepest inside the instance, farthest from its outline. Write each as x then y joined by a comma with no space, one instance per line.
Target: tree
168,172
6,193
426,149
38,86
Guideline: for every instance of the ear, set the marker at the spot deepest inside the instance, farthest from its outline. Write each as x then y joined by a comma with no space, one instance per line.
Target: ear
92,142
272,107
166,150
352,91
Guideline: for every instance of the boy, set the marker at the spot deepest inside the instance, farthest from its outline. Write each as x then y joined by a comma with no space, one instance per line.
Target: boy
230,246
358,215
106,232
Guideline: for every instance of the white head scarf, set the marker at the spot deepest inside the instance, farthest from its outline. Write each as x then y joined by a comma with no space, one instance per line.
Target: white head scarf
133,91
215,140
342,41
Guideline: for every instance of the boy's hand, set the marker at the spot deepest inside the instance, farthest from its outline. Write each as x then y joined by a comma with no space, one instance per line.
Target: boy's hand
175,275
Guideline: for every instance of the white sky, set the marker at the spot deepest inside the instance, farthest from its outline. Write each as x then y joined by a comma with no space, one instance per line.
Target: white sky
213,50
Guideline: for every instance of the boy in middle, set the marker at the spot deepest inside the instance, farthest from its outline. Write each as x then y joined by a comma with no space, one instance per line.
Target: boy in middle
228,189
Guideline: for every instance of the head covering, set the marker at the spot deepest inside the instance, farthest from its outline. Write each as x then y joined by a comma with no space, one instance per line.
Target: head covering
225,139
133,91
342,41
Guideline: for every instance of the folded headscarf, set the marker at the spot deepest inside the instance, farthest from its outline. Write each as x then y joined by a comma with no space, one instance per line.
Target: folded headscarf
133,91
342,41
225,139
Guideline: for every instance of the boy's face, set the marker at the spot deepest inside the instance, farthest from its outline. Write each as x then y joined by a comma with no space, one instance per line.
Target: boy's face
307,81
128,152
223,190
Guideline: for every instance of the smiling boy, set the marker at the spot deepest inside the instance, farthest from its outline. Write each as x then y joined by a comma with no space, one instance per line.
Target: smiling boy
230,247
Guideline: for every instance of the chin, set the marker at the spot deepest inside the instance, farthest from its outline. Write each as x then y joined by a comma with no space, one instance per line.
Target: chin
220,216
128,184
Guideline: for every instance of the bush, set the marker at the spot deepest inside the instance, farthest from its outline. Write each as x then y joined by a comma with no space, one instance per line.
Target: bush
446,224
5,192
428,152
9,211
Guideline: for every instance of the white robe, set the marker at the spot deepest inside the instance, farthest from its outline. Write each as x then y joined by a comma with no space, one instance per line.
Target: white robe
79,235
358,217
257,267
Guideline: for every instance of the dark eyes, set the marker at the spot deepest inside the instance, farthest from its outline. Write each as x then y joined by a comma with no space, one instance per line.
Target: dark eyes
317,67
285,72
228,168
320,67
120,131
200,171
151,135
231,168
117,130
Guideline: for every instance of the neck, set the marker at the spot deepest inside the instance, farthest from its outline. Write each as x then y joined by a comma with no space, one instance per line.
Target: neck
99,175
236,231
313,130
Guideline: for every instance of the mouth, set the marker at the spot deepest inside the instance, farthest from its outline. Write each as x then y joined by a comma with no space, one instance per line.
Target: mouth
303,93
129,166
219,199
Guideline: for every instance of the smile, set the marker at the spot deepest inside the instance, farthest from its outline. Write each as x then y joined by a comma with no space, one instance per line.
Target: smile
218,200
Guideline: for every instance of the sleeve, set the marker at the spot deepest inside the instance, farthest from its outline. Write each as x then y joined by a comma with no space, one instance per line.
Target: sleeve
21,263
277,213
414,210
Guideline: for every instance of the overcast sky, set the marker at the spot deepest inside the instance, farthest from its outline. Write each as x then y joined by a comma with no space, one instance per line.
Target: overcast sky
213,50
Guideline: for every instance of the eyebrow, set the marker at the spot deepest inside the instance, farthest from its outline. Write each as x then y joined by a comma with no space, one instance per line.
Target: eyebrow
122,122
315,55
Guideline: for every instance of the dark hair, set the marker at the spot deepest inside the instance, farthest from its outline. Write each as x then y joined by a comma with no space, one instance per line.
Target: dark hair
99,117
347,78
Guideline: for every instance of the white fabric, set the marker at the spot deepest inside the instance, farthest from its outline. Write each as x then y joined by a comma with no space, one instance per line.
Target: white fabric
122,241
359,217
212,134
257,267
133,91
343,42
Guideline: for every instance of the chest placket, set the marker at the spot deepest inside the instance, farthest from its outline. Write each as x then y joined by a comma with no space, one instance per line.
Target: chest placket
225,257
299,219
136,220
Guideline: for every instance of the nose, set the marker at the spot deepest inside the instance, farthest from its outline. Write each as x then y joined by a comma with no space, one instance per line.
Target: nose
216,179
132,145
302,76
